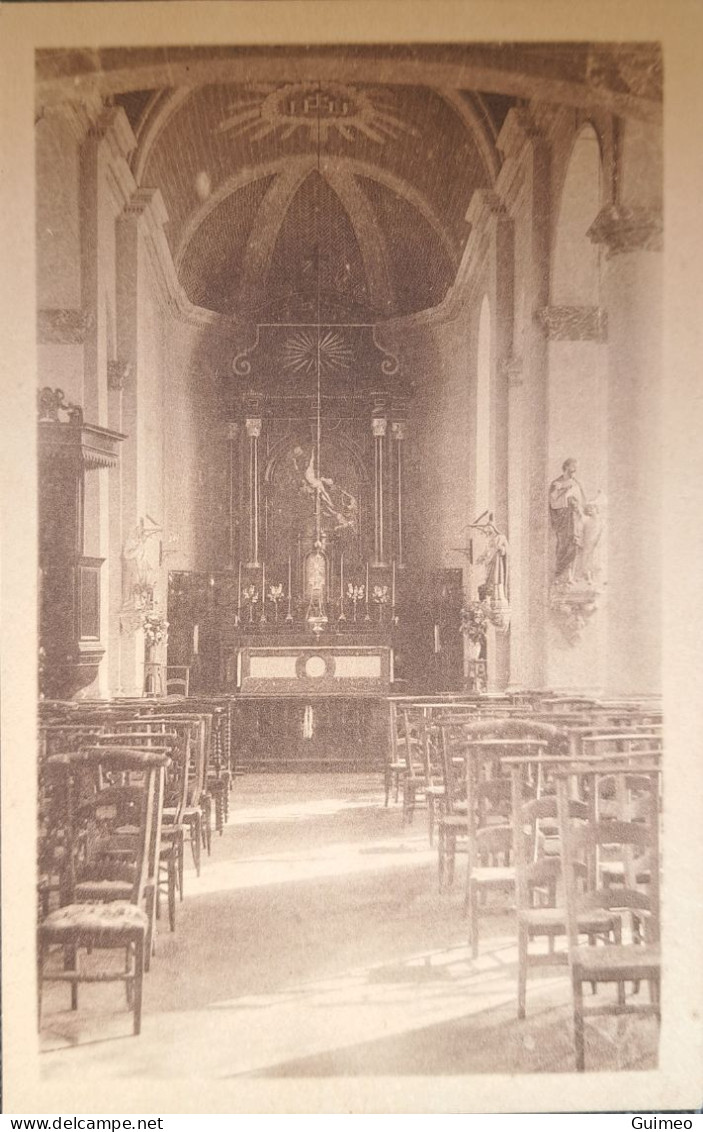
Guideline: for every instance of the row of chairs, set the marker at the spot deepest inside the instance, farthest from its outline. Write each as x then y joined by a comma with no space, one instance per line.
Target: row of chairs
561,817
123,788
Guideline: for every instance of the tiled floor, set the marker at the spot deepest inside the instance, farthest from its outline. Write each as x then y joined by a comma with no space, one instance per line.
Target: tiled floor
316,943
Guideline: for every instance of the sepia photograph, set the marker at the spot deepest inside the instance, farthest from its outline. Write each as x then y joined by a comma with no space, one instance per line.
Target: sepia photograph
353,763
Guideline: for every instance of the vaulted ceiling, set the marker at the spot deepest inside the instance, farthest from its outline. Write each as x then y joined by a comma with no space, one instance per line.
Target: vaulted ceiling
330,182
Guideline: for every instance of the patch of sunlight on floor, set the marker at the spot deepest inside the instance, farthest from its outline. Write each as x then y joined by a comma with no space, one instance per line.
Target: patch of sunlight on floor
287,866
257,1032
298,810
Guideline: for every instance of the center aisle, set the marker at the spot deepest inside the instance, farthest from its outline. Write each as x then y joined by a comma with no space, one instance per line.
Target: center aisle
316,942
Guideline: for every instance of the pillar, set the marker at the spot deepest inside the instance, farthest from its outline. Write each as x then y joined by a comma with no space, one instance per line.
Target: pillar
398,432
379,428
253,427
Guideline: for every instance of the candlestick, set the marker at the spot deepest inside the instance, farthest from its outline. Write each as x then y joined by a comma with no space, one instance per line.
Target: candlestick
239,588
341,588
367,617
289,615
393,585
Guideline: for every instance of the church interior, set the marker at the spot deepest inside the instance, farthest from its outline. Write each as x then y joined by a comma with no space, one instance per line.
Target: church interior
349,410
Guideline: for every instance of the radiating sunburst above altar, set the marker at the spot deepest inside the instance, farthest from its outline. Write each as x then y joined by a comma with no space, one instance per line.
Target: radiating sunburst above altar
316,110
305,350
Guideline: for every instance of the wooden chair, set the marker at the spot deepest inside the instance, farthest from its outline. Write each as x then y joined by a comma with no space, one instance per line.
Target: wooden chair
114,803
632,960
177,679
395,764
411,756
196,815
143,734
489,829
537,859
452,824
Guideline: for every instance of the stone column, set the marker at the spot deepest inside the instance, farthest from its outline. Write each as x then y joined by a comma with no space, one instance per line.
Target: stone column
398,431
379,428
632,286
135,229
234,540
107,186
518,505
253,427
523,187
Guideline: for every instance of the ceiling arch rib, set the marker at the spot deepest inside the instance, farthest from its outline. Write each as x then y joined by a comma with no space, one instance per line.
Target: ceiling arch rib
480,67
342,175
271,215
163,106
369,234
477,124
266,226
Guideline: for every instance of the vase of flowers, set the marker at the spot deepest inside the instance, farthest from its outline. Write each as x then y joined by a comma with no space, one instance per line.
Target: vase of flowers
155,628
380,598
474,623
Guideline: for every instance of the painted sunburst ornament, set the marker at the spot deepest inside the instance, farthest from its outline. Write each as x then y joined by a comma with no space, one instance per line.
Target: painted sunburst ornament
302,349
319,109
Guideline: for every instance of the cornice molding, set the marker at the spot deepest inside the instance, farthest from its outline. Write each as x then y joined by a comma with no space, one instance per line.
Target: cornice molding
62,326
573,324
624,229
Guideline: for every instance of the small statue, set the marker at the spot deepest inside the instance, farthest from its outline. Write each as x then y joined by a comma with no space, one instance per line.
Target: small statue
137,572
578,526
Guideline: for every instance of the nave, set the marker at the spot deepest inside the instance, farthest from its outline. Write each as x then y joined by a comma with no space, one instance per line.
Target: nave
350,555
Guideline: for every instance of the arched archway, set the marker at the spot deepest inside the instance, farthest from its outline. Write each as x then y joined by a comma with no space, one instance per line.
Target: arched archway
576,266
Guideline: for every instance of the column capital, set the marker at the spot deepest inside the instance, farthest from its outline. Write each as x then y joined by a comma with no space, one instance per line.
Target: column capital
624,229
485,204
80,117
573,324
253,426
118,373
113,126
147,203
518,129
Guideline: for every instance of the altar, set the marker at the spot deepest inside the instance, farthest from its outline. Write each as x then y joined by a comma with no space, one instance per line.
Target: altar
318,614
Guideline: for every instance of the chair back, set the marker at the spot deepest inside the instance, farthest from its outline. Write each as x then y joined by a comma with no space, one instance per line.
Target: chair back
177,679
116,798
172,734
629,833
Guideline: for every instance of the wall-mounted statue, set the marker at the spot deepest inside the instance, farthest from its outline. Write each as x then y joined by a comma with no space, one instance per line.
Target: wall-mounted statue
578,526
138,574
494,591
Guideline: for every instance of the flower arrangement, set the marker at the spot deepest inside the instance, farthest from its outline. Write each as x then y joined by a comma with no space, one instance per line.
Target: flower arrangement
474,621
275,595
380,595
355,593
155,628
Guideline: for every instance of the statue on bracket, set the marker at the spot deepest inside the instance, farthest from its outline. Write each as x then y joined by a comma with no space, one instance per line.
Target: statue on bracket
578,526
494,591
138,574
